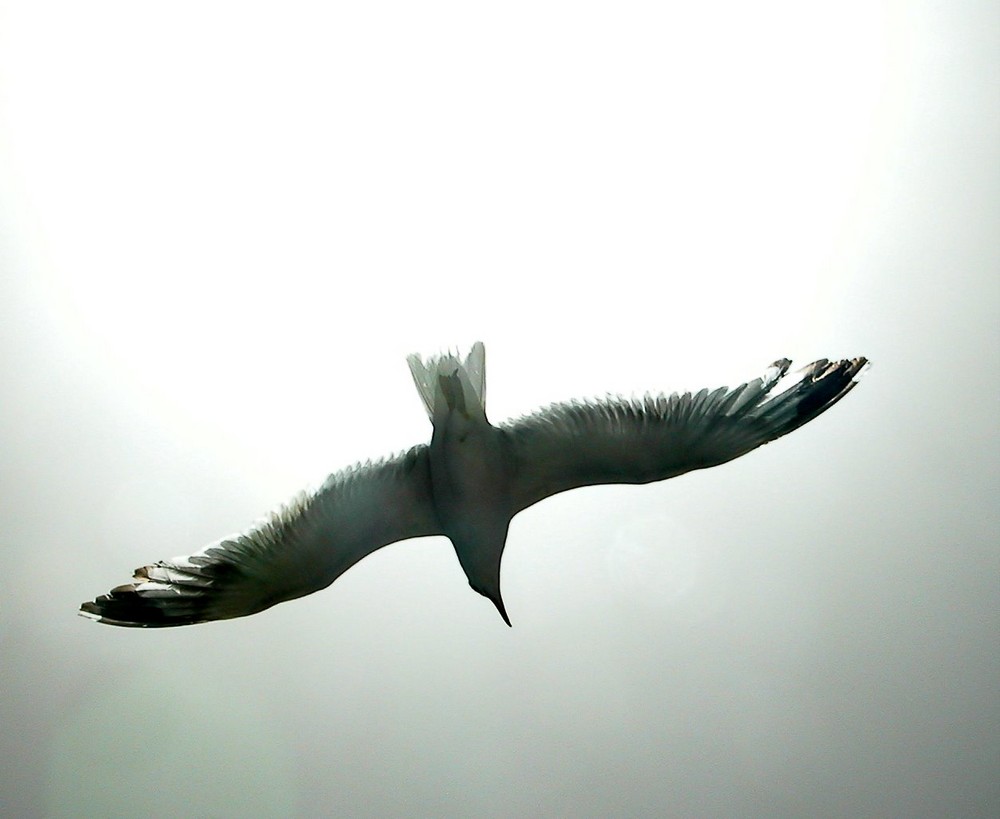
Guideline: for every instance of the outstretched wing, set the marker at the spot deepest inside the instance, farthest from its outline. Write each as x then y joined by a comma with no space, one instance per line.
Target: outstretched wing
301,549
657,437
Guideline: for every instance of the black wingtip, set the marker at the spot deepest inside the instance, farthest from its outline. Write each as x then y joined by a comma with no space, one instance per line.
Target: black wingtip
812,391
127,607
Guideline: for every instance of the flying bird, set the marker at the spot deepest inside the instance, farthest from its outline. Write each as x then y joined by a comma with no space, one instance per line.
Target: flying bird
468,484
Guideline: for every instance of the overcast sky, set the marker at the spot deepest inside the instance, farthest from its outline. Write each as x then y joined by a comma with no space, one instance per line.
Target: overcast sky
224,225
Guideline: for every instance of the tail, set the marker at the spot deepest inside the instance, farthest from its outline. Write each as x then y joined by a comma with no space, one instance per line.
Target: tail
445,382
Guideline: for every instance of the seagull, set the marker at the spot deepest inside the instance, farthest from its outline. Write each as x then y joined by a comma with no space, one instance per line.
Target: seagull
468,484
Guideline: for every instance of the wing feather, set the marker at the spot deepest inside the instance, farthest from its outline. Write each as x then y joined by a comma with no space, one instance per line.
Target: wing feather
618,440
300,549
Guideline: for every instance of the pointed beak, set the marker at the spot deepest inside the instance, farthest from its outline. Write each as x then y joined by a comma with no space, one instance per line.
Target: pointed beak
498,602
492,593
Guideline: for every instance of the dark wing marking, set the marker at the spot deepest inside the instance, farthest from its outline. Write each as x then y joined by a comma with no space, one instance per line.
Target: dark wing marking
657,437
301,549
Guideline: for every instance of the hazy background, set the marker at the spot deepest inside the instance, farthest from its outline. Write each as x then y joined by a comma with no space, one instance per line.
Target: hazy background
225,224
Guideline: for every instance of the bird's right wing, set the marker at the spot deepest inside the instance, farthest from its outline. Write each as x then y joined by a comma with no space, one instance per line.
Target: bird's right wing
301,549
657,437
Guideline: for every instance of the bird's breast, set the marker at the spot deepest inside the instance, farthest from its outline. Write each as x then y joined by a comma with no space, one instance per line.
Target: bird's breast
470,473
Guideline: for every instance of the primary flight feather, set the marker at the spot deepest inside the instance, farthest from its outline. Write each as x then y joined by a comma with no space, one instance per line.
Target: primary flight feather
468,483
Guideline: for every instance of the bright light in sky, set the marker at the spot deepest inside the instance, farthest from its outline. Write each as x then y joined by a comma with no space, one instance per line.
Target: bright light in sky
230,198
224,225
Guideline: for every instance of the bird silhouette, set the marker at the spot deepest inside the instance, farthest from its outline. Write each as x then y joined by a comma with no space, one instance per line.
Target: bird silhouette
468,484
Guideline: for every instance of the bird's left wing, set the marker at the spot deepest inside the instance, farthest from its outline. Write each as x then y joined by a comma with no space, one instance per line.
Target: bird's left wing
301,549
657,437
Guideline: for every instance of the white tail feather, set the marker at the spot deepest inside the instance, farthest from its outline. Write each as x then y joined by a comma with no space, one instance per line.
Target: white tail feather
471,374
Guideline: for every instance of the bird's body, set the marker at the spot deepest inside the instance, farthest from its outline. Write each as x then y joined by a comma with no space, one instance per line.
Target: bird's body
468,484
472,472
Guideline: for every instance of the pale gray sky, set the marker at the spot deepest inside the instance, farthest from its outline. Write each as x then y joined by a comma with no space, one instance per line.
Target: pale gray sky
223,227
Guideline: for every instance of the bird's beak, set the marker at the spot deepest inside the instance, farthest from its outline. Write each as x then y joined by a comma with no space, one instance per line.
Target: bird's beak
498,602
